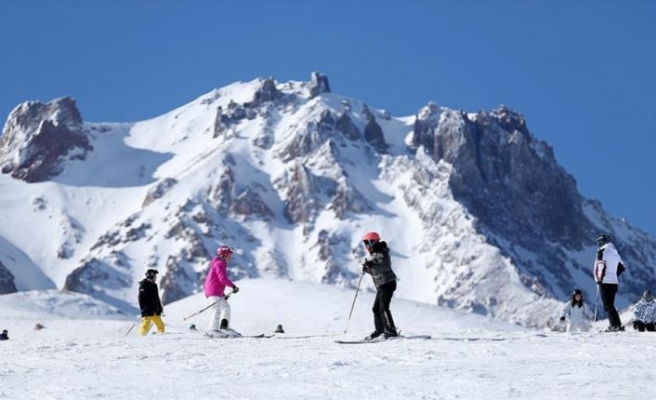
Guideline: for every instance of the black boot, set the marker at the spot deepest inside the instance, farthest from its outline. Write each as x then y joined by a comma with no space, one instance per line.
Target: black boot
390,328
224,324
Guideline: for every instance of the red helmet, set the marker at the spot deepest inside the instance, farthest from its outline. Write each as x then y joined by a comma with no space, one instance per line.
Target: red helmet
371,236
224,251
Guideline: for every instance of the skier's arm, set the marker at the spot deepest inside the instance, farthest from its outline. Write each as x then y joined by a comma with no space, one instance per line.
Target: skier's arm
587,311
600,267
222,275
566,310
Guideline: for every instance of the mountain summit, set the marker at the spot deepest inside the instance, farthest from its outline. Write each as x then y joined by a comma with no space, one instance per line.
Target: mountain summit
479,215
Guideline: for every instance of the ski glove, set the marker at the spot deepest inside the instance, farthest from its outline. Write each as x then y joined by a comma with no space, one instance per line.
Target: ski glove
235,289
562,319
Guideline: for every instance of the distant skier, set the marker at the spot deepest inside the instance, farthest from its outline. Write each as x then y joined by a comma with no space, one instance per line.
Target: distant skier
4,335
644,314
607,269
577,312
150,304
215,283
379,266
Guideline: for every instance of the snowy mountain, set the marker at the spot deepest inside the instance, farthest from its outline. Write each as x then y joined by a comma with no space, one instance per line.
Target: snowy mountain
479,215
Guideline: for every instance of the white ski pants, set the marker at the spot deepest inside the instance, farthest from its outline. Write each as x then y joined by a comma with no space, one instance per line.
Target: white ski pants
577,326
220,310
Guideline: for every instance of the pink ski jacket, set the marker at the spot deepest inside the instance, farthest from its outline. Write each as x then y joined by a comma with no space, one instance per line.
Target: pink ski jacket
217,278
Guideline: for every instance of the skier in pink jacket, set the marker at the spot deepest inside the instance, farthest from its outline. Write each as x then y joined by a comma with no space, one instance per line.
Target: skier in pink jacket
215,283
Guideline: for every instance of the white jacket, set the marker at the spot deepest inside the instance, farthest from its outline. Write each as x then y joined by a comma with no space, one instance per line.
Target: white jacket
577,315
606,264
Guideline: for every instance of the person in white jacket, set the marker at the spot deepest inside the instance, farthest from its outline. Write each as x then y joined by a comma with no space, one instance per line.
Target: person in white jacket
644,314
607,269
577,313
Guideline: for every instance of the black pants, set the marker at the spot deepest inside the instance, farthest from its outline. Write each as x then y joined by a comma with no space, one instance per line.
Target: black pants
607,291
382,316
641,326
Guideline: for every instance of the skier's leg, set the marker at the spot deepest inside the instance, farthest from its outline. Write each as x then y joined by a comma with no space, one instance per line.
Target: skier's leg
378,313
159,324
607,293
145,326
386,293
650,327
215,315
224,313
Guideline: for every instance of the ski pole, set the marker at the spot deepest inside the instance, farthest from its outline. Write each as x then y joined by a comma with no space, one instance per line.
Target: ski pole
198,312
353,305
130,330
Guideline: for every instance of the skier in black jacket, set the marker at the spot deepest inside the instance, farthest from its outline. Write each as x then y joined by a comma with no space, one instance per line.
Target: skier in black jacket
379,266
150,304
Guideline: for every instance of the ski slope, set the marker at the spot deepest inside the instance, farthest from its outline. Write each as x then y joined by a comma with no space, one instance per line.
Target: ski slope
83,352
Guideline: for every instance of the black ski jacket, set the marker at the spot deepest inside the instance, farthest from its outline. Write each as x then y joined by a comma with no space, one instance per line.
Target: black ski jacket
149,299
379,265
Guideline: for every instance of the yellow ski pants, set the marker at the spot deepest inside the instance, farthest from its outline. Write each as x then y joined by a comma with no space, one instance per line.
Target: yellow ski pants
148,322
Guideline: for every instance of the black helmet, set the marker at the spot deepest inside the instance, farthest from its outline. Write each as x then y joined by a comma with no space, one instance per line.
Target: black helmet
151,273
577,291
647,296
603,239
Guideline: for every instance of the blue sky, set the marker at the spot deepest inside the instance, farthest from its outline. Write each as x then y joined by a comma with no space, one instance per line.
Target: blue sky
582,73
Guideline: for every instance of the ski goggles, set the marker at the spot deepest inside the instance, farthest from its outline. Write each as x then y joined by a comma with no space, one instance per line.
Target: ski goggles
369,243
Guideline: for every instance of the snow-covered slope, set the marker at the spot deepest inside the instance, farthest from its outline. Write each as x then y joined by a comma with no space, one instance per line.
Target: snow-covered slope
478,214
83,352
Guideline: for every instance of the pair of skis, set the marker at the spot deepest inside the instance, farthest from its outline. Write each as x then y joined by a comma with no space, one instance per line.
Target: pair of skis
224,335
381,339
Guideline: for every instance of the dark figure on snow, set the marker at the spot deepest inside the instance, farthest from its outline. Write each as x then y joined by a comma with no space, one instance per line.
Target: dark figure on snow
150,304
379,266
4,335
644,314
607,270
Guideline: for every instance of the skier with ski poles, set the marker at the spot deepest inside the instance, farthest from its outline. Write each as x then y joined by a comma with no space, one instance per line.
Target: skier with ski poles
607,270
215,283
379,266
150,304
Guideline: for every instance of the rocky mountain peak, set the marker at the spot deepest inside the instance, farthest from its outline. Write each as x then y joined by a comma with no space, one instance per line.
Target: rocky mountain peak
38,135
319,84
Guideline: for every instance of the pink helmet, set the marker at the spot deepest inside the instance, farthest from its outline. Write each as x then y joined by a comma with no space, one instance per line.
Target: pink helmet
371,236
224,251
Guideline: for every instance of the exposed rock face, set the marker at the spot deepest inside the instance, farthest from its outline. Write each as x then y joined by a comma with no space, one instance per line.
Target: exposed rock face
512,184
373,133
6,281
267,93
159,190
38,136
319,84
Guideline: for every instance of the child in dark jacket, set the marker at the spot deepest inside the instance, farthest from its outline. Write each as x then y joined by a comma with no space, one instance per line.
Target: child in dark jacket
150,304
